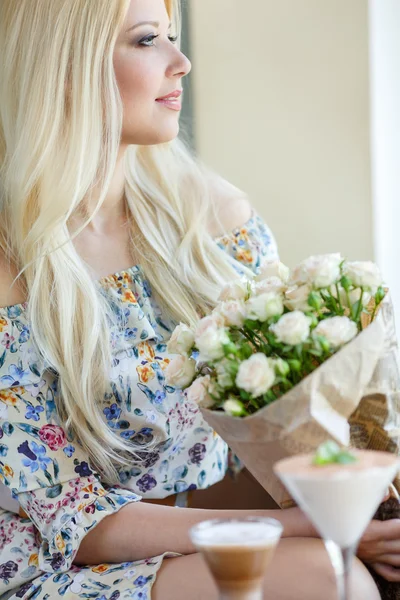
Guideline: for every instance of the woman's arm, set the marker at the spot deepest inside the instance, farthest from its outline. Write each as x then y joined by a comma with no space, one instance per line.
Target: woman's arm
143,530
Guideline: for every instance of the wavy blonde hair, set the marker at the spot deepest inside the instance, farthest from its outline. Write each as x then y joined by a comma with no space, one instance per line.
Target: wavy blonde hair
60,128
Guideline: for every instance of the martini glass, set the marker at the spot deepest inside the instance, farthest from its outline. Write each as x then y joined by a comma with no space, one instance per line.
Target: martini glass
340,500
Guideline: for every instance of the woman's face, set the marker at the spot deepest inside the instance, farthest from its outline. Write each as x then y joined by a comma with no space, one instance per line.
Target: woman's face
148,67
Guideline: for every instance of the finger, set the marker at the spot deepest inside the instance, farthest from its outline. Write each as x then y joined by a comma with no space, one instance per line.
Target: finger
387,572
386,547
383,530
386,496
390,559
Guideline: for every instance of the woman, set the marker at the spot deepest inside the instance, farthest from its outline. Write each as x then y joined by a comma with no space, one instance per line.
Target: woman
95,447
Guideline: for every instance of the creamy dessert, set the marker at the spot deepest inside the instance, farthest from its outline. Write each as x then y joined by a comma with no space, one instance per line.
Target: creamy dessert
339,490
237,553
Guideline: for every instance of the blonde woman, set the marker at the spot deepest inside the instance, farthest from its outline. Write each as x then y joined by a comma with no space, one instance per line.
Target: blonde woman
95,447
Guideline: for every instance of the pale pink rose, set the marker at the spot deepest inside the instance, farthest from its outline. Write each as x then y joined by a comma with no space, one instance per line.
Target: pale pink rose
292,328
181,341
198,392
211,343
264,306
233,312
269,285
336,330
236,290
296,298
210,337
273,268
233,407
180,371
256,375
213,321
365,274
318,271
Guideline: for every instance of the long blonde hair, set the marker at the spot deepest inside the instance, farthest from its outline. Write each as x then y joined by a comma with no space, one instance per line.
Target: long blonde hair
54,146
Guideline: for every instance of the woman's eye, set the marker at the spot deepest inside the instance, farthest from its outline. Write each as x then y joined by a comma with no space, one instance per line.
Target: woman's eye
148,40
173,38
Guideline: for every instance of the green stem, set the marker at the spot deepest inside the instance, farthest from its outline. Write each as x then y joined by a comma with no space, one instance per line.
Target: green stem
349,303
374,313
360,306
339,298
262,345
249,337
260,339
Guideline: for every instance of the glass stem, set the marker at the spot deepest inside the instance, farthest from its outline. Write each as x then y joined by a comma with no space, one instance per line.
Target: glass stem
342,561
242,595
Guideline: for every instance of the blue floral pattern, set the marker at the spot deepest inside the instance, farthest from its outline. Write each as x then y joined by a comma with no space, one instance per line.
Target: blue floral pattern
60,496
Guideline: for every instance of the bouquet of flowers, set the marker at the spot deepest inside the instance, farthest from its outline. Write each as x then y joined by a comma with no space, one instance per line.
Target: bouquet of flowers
291,359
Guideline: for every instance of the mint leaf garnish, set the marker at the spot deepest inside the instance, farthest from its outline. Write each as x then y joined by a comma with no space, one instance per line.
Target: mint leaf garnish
330,453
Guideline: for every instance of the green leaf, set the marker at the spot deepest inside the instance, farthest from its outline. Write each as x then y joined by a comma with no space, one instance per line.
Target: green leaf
379,296
34,369
252,325
48,477
54,491
56,469
346,283
3,358
330,453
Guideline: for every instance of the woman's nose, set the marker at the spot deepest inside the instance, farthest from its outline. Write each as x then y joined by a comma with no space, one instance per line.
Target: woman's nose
180,67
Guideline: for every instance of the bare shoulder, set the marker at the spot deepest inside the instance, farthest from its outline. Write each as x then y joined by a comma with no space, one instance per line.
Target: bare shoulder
9,294
231,207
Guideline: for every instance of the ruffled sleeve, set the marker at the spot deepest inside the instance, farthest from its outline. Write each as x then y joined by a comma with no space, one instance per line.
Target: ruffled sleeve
48,473
251,244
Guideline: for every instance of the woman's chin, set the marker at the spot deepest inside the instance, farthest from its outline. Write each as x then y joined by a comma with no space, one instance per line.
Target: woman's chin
162,135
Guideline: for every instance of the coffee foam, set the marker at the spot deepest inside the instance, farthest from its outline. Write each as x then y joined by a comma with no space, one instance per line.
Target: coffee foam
257,534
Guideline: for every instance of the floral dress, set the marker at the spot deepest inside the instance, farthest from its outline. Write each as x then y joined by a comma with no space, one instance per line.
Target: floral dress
49,474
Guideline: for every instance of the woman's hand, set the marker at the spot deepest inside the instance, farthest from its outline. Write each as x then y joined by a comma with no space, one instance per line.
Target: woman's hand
380,548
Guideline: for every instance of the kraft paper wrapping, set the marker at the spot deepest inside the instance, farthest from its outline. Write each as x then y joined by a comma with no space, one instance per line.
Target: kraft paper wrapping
359,387
375,424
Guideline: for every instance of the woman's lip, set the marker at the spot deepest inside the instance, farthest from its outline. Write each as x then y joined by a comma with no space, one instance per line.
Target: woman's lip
172,103
175,94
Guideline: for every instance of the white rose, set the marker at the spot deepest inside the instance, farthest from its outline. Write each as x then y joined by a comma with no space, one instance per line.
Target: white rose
297,298
364,274
198,392
213,321
211,341
233,312
281,366
225,378
336,330
180,371
354,296
273,268
264,306
292,329
319,271
271,284
235,290
233,407
181,341
256,375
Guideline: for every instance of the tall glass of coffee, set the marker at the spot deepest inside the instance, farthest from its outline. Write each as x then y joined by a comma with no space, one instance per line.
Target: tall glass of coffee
237,552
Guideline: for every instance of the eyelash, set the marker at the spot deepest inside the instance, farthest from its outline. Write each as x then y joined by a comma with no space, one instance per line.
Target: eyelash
150,38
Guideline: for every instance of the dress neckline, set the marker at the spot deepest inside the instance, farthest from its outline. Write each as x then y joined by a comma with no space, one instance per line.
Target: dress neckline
108,279
138,268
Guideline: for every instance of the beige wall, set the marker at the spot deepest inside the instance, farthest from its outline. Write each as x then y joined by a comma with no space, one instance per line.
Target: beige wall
281,94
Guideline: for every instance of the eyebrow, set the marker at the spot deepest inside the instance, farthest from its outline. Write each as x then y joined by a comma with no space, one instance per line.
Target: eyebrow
154,23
